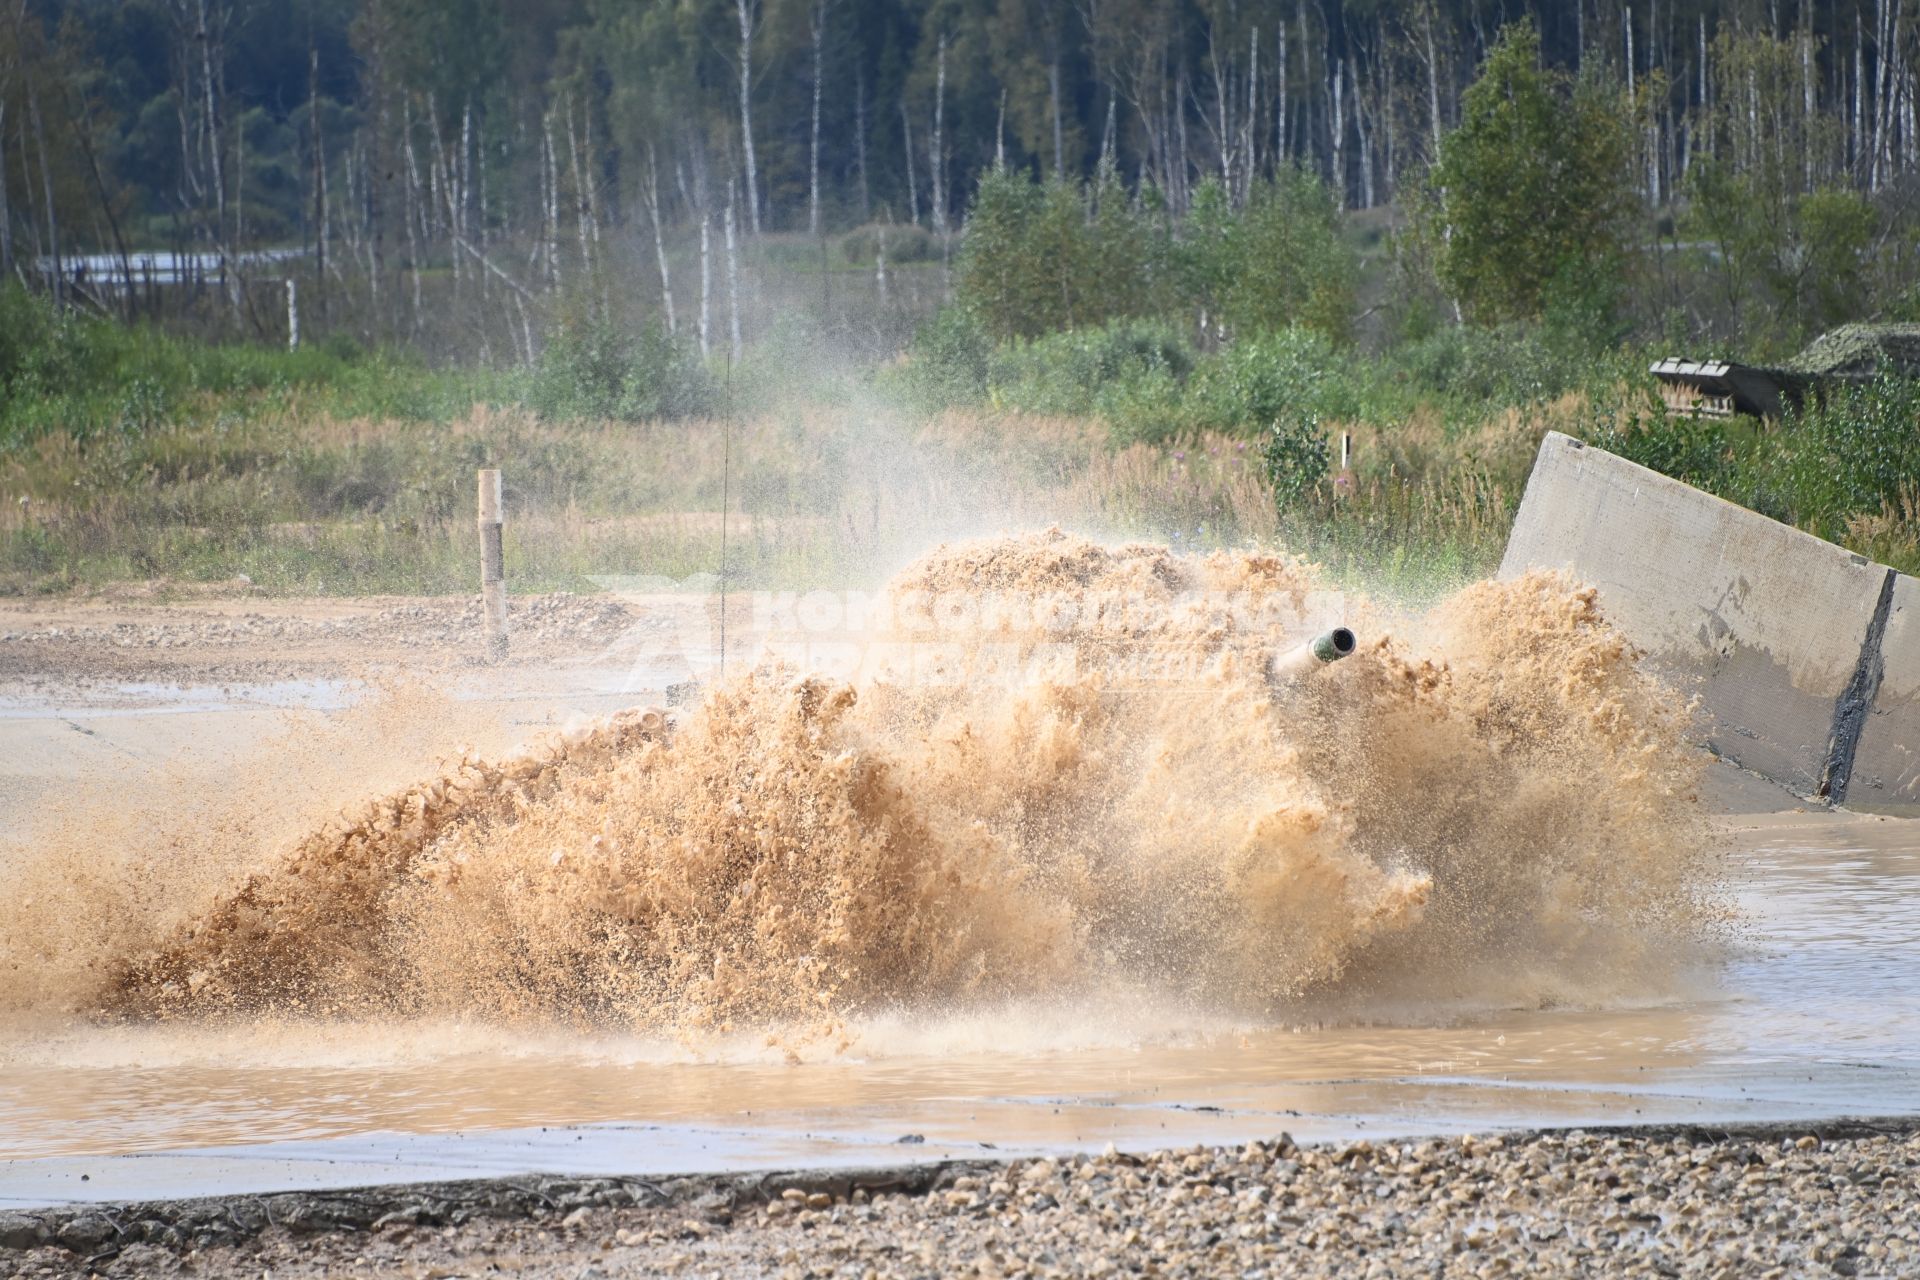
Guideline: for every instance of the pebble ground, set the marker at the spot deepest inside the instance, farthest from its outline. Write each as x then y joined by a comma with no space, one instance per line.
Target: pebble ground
1567,1204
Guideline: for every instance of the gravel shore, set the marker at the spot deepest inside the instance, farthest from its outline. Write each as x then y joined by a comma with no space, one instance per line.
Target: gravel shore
1759,1203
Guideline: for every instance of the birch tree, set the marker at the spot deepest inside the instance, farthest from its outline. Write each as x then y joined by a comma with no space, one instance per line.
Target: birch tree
817,11
748,13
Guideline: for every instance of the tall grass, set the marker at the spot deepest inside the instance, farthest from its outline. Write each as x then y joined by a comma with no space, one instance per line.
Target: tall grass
306,503
125,454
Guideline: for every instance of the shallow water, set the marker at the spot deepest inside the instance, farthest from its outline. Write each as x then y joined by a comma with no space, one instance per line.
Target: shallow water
1813,1014
1088,884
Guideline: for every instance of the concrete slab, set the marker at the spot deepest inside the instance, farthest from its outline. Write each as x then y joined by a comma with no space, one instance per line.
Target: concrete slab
1764,623
1729,789
1886,766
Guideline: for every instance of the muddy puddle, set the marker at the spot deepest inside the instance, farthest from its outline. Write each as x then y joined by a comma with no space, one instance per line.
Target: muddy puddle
1006,886
1812,1013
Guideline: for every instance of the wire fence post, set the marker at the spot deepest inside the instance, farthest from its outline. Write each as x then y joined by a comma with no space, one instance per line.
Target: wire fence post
493,579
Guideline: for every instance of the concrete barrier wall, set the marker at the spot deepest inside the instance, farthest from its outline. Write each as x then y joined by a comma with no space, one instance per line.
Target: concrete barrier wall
1777,631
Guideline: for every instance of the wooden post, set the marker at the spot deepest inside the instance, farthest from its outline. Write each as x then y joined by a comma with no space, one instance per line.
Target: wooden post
1343,478
493,581
293,315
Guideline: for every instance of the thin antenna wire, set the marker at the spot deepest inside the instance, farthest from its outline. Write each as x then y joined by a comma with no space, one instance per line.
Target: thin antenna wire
726,484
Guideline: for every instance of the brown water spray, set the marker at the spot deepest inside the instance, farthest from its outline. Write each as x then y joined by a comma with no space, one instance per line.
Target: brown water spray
1493,804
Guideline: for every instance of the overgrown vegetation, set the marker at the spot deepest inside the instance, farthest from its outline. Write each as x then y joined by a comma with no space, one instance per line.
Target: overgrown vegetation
1525,205
1237,342
1850,455
1043,257
70,374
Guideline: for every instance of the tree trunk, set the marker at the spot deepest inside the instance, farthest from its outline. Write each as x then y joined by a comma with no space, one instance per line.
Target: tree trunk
913,185
938,156
1280,147
6,212
211,132
1859,76
1384,95
1338,128
1896,157
1181,171
1909,137
860,142
1108,161
1251,126
745,11
1883,70
706,285
1221,126
1806,95
1626,33
319,183
1107,144
1365,132
552,179
38,248
659,238
437,175
582,232
817,29
239,187
46,188
82,124
1305,147
1706,89
463,219
591,195
374,75
1433,80
183,107
733,287
411,215
1053,102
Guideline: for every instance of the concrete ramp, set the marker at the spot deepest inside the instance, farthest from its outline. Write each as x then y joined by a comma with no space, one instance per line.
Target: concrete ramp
1805,656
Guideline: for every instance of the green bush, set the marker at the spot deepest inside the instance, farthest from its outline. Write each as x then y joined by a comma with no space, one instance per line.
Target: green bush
947,364
599,370
1297,457
1690,448
1278,262
27,334
1073,372
1257,381
1144,377
1039,258
1468,369
1845,454
910,243
87,375
1533,182
1044,257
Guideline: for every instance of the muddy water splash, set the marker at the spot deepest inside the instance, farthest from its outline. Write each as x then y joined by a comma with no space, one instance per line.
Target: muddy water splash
1091,790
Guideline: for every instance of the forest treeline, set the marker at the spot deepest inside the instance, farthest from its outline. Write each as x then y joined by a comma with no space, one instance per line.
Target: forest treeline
411,147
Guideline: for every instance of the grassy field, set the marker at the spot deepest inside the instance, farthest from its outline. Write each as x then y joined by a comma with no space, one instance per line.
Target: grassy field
130,456
303,501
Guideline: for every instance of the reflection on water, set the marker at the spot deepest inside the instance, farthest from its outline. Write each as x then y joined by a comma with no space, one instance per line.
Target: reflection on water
1813,1013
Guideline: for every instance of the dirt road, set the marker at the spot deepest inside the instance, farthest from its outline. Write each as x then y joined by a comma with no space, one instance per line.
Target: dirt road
232,636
